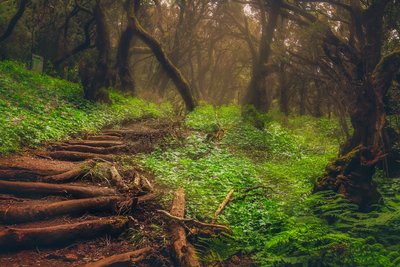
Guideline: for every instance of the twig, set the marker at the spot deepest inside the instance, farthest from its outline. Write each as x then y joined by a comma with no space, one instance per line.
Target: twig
194,222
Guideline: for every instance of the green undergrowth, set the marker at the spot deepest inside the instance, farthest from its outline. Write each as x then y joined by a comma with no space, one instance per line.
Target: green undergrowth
36,108
273,214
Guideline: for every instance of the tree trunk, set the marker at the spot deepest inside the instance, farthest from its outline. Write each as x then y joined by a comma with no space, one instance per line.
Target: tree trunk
283,92
257,91
125,72
95,89
176,76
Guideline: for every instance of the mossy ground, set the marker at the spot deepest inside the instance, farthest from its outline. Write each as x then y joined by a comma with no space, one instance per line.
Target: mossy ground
37,108
273,215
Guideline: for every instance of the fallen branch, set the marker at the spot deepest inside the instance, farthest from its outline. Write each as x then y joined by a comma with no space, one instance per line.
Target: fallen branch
222,205
194,222
125,259
185,253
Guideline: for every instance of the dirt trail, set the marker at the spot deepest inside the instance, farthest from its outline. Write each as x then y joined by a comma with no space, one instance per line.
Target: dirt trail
55,210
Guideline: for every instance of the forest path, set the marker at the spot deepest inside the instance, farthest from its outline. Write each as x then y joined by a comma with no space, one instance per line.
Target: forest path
67,204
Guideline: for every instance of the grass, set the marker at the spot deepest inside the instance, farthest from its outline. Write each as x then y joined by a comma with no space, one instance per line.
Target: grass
274,216
37,108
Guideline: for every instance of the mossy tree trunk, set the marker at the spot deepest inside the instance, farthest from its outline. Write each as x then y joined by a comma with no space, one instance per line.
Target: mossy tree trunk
360,64
351,175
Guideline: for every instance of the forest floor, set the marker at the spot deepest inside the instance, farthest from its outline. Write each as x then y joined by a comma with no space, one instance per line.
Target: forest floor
87,213
75,190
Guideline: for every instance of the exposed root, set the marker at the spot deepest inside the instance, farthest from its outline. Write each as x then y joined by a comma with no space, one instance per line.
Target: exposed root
29,213
92,149
104,138
16,238
28,188
67,176
30,168
125,259
96,143
77,156
118,180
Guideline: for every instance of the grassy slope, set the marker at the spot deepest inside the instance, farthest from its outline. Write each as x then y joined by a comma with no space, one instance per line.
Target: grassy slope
37,108
280,223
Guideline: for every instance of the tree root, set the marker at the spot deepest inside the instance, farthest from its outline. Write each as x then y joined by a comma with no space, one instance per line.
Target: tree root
29,188
104,138
16,238
118,180
93,143
77,156
125,259
92,149
30,213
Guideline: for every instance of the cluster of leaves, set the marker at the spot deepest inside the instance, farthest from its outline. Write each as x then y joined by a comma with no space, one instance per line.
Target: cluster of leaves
273,214
36,108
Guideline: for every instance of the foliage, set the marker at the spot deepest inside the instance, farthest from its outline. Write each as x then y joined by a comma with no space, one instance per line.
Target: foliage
36,108
273,214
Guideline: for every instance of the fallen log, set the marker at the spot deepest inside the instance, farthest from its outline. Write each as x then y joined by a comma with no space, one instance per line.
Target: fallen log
103,138
13,238
77,156
125,259
29,213
92,149
184,252
118,180
30,188
95,143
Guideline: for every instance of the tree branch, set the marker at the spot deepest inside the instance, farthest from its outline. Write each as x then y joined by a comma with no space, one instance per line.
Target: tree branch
14,20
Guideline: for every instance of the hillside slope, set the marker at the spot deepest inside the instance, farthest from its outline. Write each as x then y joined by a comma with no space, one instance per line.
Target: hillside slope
37,108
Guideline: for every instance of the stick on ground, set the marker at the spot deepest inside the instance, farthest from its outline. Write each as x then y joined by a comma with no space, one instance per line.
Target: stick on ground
222,205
